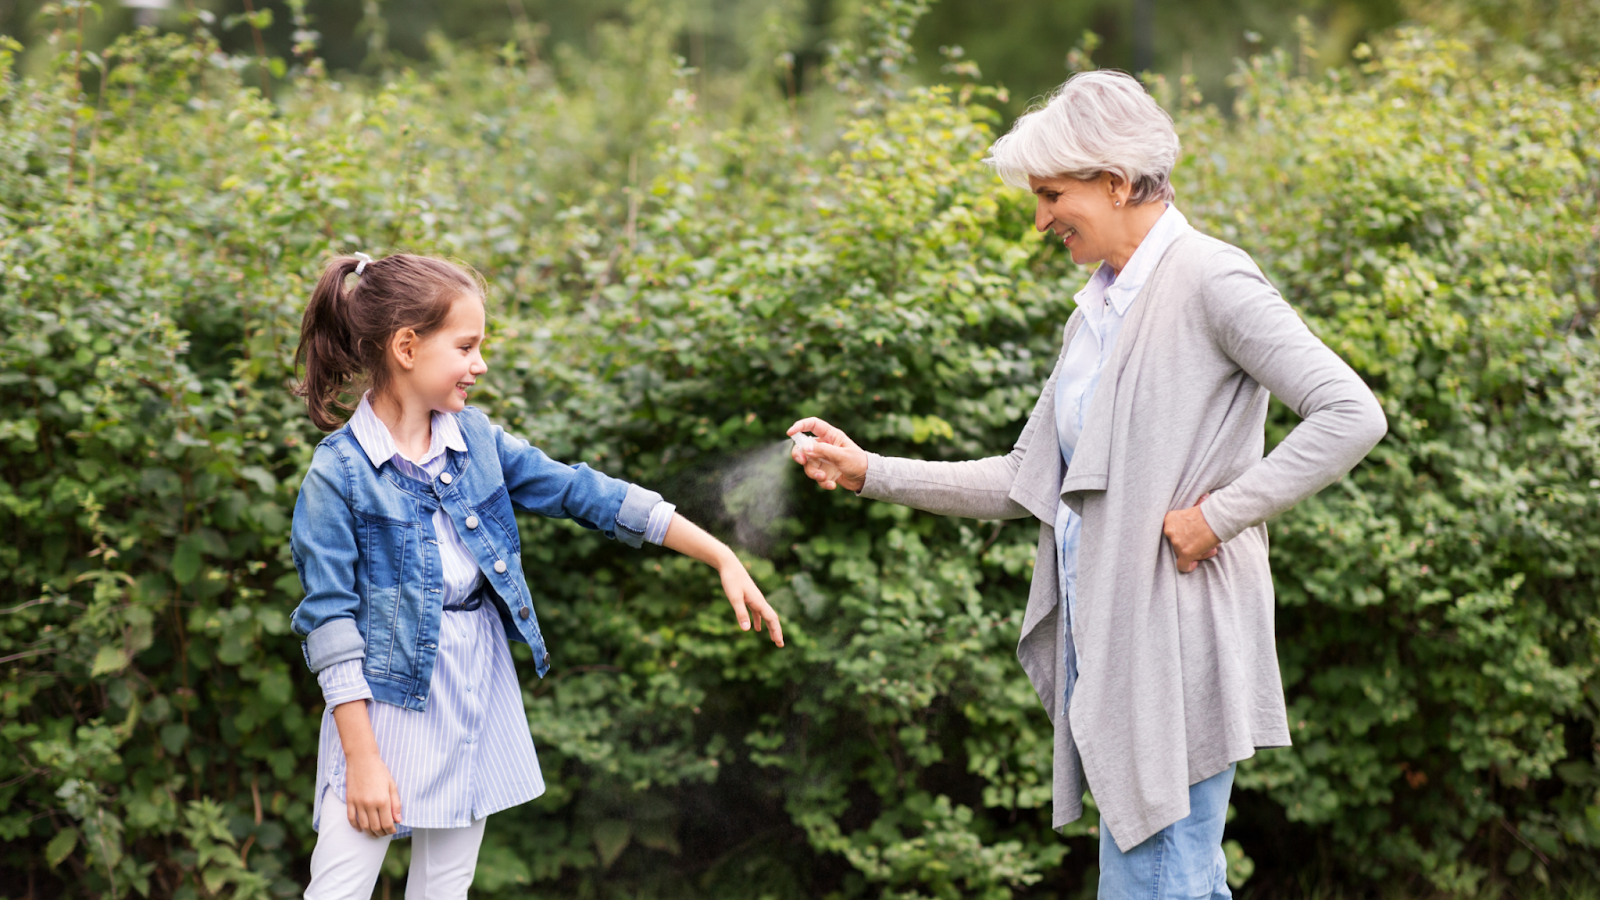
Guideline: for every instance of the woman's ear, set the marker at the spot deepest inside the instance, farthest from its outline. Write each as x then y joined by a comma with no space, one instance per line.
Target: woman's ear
403,347
1116,187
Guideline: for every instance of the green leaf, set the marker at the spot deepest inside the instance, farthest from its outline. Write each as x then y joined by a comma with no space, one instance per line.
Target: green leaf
109,658
174,736
60,846
275,687
186,558
611,837
260,477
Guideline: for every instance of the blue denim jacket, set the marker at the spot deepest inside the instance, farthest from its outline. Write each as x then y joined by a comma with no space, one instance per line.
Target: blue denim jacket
368,558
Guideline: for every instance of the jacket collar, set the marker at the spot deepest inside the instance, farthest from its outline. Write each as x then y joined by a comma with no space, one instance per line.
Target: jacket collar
380,447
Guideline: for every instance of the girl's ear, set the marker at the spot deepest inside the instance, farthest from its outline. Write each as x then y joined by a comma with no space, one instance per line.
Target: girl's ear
403,348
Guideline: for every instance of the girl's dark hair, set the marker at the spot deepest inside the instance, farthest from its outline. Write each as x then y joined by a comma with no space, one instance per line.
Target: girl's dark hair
345,334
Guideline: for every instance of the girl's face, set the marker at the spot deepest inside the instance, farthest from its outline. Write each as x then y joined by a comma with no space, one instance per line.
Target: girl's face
445,364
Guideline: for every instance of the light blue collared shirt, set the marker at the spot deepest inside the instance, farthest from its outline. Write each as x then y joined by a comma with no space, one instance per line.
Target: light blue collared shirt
1104,302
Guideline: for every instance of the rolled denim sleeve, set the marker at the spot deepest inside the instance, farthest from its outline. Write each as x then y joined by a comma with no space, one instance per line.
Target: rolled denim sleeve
344,682
636,515
323,539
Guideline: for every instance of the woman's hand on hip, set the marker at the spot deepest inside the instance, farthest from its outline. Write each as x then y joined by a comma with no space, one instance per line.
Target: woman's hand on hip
1191,536
371,798
833,460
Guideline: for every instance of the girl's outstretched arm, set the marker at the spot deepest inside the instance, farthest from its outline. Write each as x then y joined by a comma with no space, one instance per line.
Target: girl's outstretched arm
687,538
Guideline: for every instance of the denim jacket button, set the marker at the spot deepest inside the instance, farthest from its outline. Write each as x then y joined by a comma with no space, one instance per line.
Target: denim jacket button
500,566
472,521
446,477
524,612
547,657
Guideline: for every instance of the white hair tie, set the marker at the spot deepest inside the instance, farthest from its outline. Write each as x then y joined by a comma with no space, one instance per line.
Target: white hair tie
364,260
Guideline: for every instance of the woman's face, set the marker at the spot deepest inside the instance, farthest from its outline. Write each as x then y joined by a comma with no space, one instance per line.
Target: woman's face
1081,213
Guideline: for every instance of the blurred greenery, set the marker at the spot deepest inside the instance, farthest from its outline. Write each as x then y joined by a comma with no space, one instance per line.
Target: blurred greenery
1020,45
682,260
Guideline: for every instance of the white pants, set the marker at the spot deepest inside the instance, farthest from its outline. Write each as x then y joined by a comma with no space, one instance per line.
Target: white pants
346,862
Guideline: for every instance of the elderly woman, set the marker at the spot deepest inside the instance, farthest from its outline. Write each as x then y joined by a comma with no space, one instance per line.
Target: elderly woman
1149,628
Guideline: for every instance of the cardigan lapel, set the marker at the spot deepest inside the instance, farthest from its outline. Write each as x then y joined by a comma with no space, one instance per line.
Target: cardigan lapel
1037,485
1091,461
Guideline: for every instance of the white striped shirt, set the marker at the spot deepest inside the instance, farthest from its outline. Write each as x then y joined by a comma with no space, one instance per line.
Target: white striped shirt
469,753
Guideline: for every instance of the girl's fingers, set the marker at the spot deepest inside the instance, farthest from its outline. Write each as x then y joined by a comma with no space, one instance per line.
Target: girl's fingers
394,799
774,627
765,614
385,818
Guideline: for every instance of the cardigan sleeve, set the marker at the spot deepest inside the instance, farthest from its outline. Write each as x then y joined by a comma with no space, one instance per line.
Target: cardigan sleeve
1265,337
976,489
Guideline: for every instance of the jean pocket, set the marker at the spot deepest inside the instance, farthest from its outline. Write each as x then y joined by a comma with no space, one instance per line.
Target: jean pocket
387,545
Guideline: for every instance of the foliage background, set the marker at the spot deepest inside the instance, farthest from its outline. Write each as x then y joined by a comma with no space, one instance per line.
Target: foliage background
680,265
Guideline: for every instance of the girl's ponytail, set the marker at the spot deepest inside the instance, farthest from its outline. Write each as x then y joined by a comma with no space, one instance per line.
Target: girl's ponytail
327,349
346,330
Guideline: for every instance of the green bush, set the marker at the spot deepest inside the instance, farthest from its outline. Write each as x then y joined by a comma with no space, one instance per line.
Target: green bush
671,286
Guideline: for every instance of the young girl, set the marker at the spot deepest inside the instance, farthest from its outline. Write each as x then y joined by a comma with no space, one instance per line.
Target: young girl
406,543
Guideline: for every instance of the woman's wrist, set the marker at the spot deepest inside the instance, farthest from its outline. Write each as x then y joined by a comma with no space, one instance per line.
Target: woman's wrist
858,480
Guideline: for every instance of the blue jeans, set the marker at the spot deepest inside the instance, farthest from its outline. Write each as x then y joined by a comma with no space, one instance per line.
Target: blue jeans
1183,861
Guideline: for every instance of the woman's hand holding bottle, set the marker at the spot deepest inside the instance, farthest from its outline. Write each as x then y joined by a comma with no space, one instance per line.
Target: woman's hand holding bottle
832,459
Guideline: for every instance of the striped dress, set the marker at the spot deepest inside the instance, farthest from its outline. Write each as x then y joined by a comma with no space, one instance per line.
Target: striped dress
469,754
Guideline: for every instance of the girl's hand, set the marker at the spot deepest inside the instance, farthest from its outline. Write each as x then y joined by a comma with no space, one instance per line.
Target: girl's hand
834,460
746,598
371,798
687,538
1191,536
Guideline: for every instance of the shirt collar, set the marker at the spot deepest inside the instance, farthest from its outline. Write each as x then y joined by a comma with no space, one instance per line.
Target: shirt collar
1124,286
379,445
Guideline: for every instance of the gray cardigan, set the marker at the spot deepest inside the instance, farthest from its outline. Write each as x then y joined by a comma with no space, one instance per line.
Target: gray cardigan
1177,674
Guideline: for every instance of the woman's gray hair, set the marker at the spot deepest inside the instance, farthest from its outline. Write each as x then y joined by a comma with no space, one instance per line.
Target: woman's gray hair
1096,122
